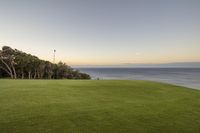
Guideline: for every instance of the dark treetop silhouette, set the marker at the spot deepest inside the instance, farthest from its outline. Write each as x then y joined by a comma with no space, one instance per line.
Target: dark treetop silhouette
17,64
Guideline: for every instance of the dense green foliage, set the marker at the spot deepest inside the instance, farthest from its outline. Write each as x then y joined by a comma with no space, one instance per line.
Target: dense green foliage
76,106
17,64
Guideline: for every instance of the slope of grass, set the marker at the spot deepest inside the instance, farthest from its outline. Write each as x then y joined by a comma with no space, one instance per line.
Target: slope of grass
42,106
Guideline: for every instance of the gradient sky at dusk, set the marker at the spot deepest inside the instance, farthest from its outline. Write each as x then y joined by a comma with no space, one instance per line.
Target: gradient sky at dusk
103,32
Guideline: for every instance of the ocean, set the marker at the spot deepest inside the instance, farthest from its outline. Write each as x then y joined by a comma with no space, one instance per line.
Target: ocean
188,77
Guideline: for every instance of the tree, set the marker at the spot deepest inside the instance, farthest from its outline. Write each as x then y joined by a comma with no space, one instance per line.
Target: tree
41,69
20,59
48,69
7,58
18,64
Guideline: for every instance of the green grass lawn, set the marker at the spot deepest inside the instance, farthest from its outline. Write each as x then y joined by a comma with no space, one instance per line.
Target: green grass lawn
104,106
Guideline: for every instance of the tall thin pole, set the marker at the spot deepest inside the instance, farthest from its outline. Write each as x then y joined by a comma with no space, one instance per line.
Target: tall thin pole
54,56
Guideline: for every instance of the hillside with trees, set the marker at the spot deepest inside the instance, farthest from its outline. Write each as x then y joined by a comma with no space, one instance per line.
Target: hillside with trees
20,65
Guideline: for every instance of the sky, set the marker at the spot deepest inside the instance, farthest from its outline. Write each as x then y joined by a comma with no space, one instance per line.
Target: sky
103,32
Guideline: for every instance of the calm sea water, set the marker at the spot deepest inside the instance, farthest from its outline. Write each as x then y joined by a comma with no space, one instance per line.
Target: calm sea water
189,77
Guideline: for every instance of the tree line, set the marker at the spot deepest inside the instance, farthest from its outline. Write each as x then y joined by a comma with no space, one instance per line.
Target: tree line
17,64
